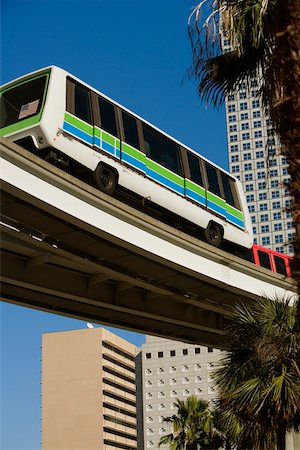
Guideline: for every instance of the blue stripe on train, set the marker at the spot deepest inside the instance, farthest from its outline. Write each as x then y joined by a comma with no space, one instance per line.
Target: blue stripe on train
78,133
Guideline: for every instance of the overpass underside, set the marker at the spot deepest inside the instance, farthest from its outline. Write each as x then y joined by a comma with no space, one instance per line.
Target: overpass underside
68,249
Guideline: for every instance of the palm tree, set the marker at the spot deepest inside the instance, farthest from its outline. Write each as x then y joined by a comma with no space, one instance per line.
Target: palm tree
259,378
265,42
192,426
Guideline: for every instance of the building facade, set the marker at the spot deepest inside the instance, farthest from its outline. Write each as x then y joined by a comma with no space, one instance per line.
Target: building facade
170,370
255,158
88,391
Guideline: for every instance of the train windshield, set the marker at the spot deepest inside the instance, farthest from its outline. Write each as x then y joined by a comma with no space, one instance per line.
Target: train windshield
22,101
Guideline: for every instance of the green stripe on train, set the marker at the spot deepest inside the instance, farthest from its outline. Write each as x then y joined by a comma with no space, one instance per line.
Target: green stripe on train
215,199
165,172
234,212
25,123
134,153
195,187
79,124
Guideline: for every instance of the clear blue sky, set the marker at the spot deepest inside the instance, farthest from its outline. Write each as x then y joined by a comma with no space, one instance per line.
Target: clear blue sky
137,52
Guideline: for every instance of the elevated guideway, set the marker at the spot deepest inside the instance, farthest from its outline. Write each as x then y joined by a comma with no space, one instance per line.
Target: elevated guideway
69,249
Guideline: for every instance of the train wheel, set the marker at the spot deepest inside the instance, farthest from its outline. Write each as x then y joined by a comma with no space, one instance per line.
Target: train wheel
104,178
213,234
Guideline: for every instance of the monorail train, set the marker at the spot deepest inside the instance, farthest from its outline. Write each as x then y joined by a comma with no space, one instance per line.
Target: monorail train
272,260
62,118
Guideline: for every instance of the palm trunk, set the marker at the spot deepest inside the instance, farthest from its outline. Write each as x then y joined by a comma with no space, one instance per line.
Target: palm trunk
286,113
281,437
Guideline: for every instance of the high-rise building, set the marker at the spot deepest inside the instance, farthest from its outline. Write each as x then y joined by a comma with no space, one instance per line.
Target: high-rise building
255,158
170,370
88,391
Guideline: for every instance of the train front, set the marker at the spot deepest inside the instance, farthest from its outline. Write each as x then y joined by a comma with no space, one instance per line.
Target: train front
22,102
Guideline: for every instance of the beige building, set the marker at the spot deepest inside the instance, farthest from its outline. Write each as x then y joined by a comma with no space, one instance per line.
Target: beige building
88,391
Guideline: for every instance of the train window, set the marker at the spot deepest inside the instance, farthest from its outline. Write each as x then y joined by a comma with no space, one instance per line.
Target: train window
228,185
130,130
195,168
264,259
162,150
108,118
213,182
82,107
22,101
280,265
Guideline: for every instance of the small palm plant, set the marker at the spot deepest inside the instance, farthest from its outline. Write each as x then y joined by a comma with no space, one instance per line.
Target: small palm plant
192,426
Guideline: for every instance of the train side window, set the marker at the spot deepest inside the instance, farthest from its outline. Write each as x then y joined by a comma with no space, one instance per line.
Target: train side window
280,265
82,104
194,165
162,150
213,182
130,130
107,116
228,186
264,259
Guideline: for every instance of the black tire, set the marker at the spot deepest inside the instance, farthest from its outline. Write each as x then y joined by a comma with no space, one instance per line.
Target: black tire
104,178
213,234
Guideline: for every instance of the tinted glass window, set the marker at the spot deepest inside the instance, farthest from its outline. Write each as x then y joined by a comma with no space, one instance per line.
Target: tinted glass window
264,259
130,130
227,186
22,101
82,104
162,150
107,115
194,164
213,182
280,265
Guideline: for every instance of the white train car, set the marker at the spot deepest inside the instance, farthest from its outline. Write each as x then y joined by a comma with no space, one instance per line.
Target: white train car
57,115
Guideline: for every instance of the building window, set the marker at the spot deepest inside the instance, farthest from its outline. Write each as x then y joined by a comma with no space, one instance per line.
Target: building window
245,136
265,240
210,349
249,187
251,208
233,138
248,166
234,148
246,146
264,217
185,351
232,118
258,144
250,198
255,104
263,207
243,95
234,158
275,194
148,355
277,226
260,164
172,353
278,238
160,354
276,205
262,185
262,196
256,114
257,124
245,126
259,154
197,350
244,116
265,228
257,134
235,168
248,176
247,156
277,216
273,173
232,128
231,108
243,106
261,175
